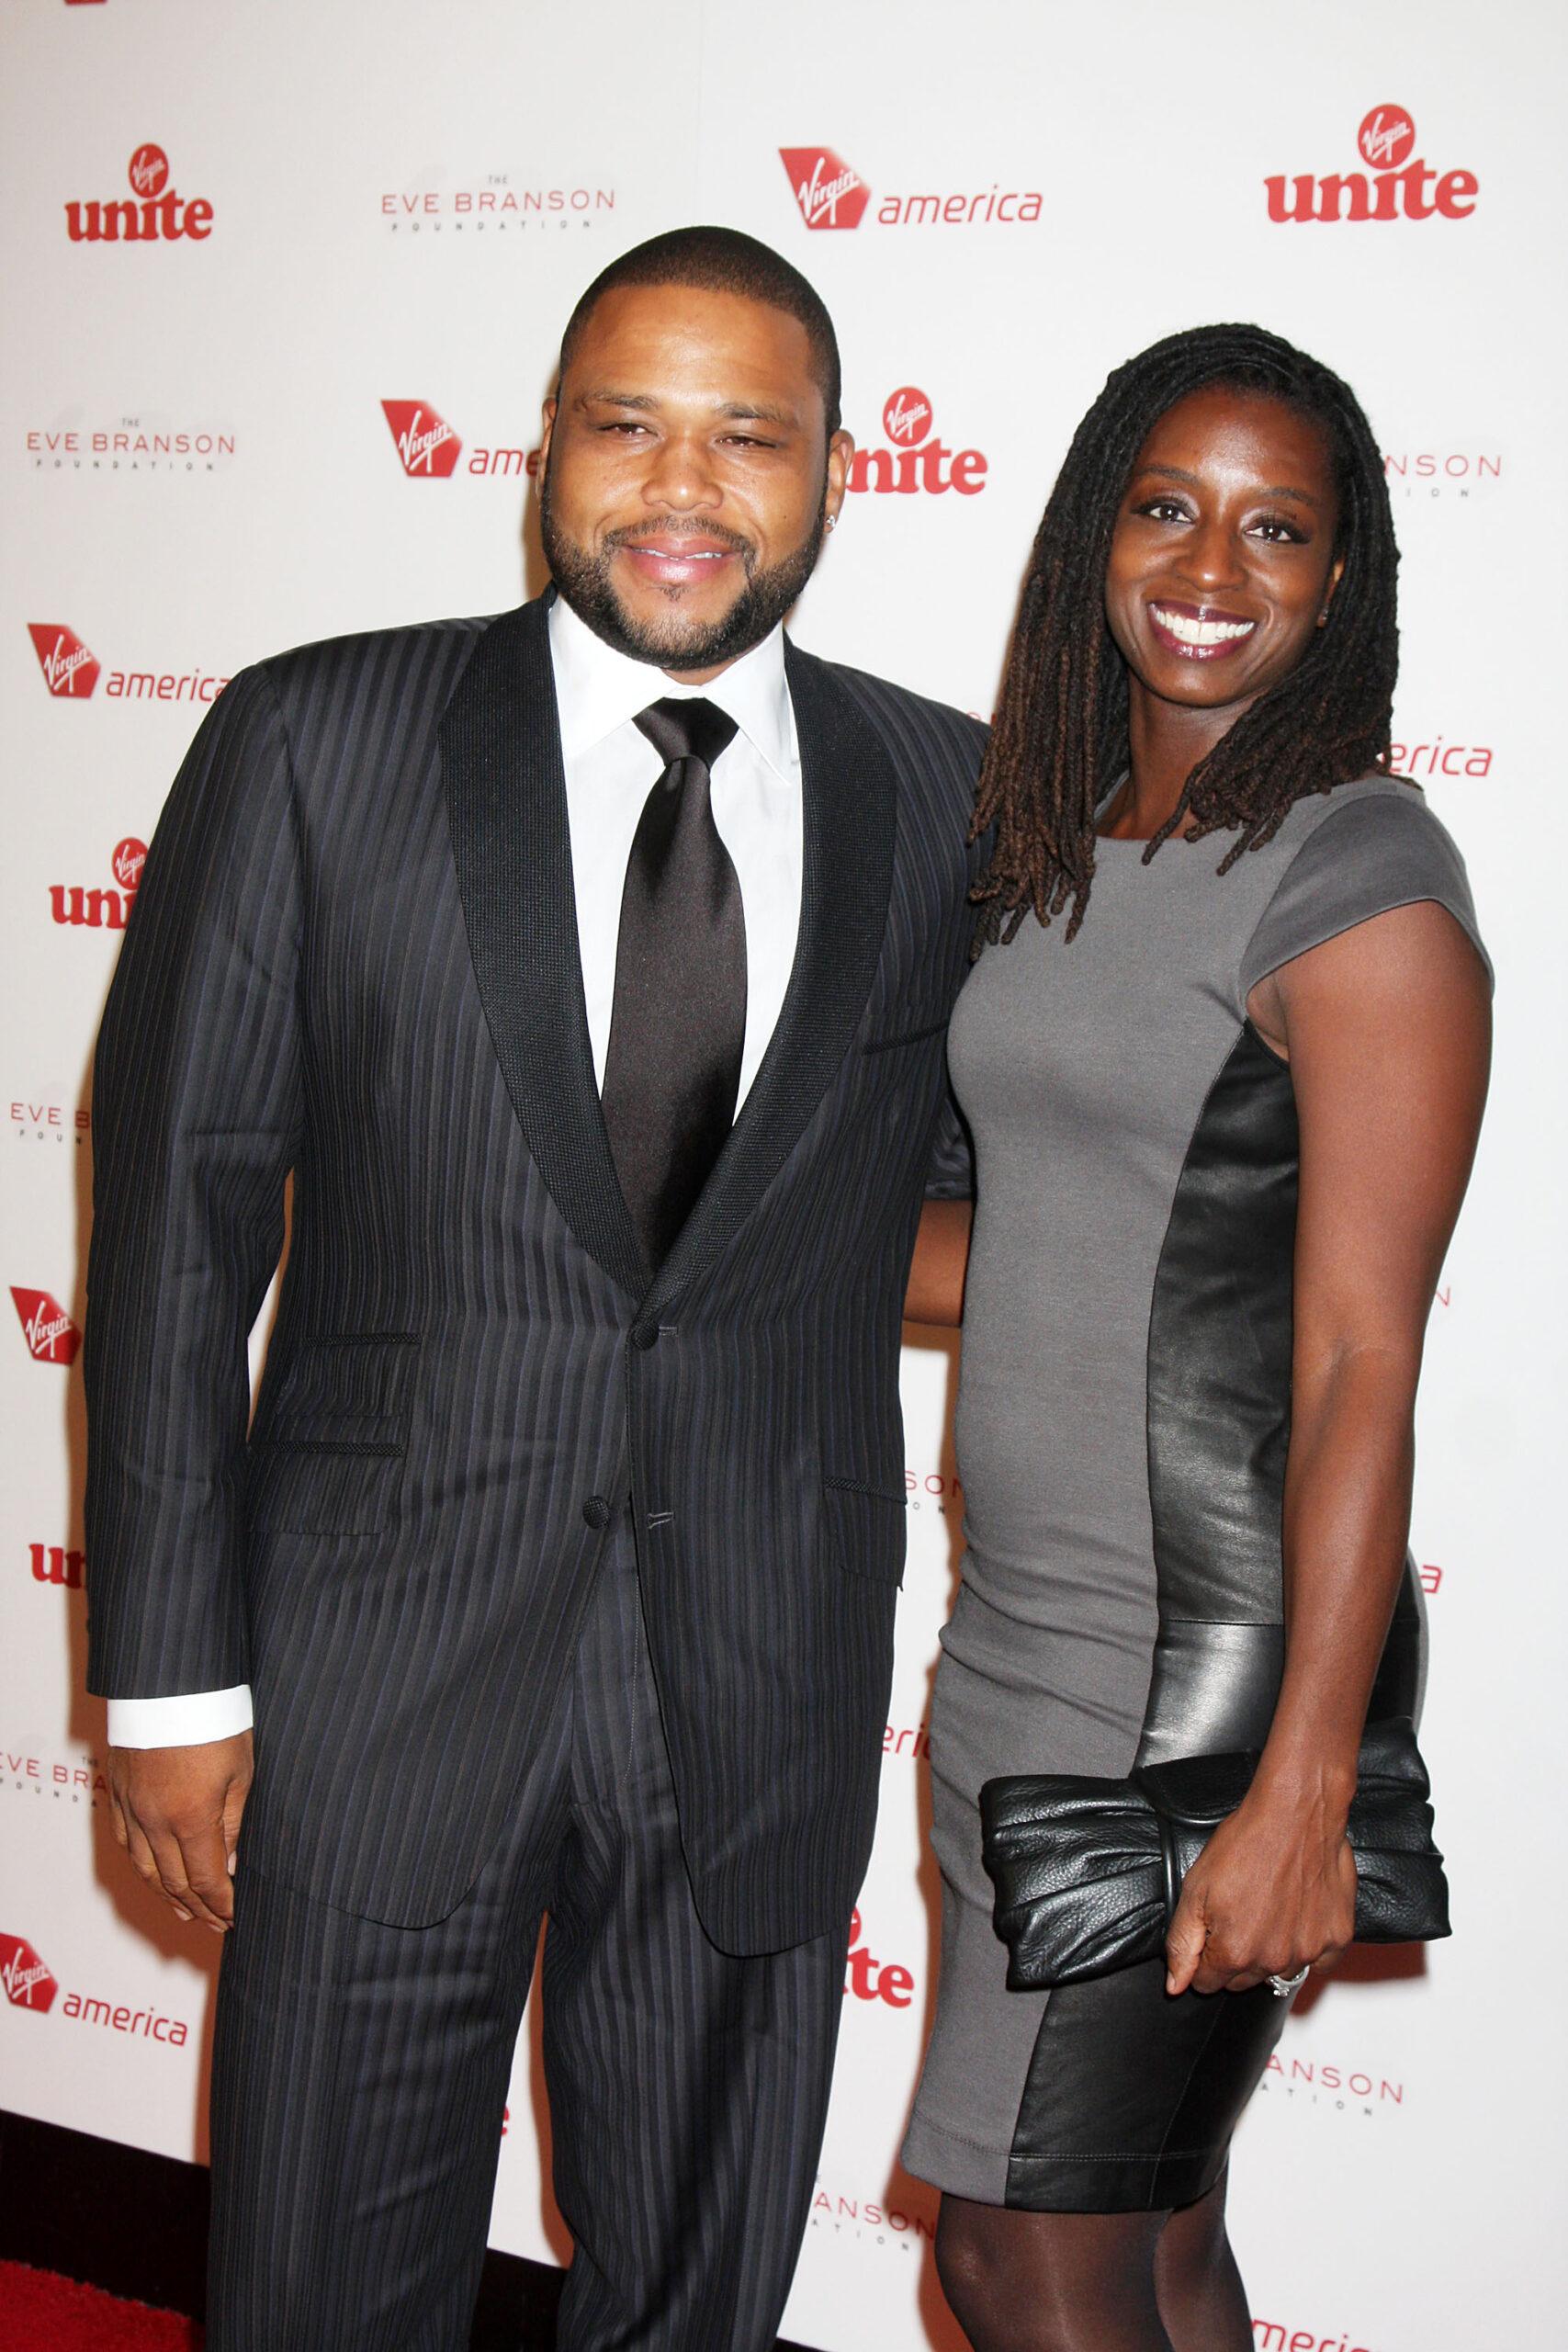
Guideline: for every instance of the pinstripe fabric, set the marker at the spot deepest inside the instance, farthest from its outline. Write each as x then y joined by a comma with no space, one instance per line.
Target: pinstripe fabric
354,957
360,2070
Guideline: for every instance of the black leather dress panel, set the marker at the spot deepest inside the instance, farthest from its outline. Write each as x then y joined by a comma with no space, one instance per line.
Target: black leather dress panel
1219,1360
1132,2097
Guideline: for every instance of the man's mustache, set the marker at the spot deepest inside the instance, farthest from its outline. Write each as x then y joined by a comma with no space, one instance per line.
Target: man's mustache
633,535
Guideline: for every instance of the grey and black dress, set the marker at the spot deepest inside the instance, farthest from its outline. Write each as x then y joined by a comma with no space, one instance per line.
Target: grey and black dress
1122,1419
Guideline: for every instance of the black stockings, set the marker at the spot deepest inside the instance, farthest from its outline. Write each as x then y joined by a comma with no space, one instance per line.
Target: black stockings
1093,2282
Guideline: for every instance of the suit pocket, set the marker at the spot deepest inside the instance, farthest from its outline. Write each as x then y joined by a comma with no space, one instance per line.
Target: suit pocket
326,1455
866,1527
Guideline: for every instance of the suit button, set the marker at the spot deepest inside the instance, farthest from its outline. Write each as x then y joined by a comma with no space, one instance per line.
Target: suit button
596,1512
645,1336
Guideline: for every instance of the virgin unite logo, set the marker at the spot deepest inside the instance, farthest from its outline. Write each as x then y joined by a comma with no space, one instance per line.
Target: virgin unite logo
866,1978
50,1335
1395,185
69,670
52,1564
153,212
916,459
81,907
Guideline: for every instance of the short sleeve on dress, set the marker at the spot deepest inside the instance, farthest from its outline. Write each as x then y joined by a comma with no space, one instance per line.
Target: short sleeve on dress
1375,852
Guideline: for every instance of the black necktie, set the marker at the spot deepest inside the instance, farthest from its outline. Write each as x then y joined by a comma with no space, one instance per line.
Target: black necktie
672,1070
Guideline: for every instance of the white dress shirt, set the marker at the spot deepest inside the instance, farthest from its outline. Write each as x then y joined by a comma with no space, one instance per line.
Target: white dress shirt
610,768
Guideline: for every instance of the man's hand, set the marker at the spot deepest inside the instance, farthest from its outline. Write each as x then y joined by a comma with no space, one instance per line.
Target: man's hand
177,1812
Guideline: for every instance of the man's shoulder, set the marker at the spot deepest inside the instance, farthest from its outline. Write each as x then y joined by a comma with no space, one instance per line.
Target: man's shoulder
430,654
899,713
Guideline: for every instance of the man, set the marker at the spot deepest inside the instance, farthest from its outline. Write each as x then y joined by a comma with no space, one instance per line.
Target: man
587,970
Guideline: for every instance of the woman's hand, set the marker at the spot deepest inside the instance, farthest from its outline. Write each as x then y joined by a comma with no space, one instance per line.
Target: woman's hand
1273,1892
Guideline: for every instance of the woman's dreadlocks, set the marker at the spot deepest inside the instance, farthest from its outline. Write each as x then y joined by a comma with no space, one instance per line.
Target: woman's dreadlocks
1060,739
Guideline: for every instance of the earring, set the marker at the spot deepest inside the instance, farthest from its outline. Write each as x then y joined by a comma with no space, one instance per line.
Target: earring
832,522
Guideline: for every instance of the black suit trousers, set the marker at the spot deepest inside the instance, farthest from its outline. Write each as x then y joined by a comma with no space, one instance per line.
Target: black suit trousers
360,2071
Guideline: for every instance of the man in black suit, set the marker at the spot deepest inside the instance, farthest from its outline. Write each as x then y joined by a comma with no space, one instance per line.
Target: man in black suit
587,970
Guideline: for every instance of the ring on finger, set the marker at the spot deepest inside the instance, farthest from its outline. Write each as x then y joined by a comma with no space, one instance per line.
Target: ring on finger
1283,1987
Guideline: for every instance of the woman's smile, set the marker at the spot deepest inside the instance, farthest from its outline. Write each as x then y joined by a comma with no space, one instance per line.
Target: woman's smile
1198,632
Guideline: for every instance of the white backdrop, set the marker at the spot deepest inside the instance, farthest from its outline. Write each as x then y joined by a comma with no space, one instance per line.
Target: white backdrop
354,214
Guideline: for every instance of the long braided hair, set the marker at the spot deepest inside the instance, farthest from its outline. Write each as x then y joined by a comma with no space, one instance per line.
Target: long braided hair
1059,743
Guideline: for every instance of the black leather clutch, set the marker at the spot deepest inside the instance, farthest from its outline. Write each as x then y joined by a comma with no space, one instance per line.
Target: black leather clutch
1088,1871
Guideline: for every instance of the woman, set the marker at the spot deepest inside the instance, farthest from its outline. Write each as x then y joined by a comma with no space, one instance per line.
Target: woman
1225,1091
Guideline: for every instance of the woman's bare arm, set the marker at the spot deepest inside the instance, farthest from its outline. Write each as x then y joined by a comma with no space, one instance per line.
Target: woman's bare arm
941,1258
1387,1029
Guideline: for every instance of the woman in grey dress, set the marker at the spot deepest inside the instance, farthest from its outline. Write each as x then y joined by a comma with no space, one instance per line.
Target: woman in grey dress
1223,1054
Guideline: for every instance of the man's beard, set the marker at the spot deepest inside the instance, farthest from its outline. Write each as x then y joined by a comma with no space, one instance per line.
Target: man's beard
583,578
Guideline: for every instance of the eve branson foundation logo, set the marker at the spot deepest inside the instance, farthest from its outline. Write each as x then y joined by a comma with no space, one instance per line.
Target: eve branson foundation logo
1396,184
153,212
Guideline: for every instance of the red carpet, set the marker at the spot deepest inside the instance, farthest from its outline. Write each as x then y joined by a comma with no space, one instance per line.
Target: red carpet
41,2311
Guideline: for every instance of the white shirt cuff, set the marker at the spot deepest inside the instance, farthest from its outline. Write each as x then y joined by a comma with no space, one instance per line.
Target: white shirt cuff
182,1722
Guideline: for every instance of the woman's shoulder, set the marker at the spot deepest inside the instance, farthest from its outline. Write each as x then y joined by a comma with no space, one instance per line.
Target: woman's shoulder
1366,847
1402,810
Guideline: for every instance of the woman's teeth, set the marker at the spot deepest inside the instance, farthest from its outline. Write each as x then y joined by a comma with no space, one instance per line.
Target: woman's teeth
1201,633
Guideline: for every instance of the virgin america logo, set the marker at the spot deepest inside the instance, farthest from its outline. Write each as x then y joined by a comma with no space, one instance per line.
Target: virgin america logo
1395,185
832,195
30,1983
426,444
153,210
69,670
830,192
50,1335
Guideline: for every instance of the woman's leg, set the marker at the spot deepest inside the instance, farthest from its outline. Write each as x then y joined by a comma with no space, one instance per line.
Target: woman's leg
1201,2299
1053,2282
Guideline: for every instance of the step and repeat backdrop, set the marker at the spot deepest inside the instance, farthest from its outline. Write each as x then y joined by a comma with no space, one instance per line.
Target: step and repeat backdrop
283,286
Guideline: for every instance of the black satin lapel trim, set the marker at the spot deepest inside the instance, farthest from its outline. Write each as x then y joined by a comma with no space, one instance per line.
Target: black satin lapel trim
850,793
506,804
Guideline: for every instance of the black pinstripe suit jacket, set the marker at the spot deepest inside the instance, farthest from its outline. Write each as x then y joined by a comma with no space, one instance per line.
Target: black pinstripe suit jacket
354,960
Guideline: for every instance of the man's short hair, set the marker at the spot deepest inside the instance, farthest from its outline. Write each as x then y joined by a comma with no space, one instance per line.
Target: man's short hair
723,260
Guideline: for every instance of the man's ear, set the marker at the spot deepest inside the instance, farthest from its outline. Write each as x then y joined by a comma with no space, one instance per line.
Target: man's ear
841,450
552,405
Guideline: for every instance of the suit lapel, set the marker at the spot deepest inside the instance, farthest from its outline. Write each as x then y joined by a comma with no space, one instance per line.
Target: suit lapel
849,808
506,803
